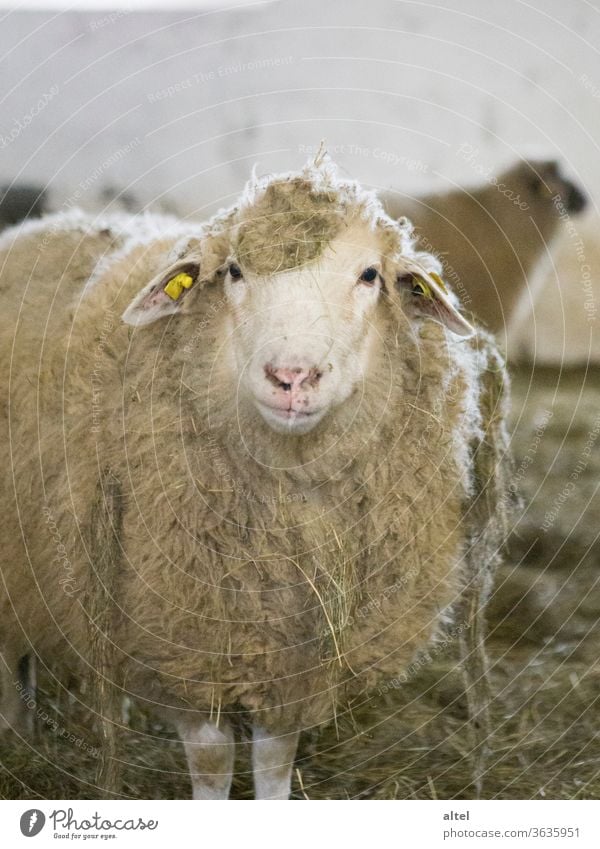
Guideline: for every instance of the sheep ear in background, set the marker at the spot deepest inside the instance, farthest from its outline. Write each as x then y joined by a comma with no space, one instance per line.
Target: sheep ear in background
424,294
163,296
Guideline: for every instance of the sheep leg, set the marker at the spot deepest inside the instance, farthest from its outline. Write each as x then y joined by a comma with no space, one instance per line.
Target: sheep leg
272,762
210,752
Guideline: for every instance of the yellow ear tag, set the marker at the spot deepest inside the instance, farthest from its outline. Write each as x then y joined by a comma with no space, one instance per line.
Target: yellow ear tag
420,287
439,281
177,284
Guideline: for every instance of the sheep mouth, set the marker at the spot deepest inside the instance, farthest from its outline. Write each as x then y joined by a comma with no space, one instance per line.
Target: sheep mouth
289,419
289,413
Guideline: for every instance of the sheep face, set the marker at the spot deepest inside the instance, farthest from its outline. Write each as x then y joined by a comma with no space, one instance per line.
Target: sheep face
312,266
542,182
301,339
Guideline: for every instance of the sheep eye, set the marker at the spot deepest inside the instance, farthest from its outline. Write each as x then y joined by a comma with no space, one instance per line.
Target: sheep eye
235,271
369,275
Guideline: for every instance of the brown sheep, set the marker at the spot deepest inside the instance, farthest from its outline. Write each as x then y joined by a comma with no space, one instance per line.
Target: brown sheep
492,237
264,489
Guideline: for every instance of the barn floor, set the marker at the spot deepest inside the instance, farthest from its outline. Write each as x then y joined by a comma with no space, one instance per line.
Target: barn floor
413,743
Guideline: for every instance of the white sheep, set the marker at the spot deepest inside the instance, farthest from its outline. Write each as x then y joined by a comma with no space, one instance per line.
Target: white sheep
556,325
291,423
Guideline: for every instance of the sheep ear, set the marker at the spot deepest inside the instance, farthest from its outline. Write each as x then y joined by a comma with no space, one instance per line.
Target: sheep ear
163,296
424,294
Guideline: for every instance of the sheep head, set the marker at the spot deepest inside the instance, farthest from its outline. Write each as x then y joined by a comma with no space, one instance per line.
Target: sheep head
314,275
539,184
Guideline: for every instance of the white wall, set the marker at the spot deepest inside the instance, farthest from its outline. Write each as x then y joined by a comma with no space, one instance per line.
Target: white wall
407,81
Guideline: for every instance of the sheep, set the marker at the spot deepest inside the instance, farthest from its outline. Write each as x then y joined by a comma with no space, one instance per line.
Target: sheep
254,465
557,329
492,237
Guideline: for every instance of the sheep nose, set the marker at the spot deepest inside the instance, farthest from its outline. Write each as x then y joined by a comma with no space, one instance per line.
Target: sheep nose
291,379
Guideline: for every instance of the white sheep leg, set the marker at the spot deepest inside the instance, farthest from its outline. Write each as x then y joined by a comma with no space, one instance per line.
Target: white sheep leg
210,751
272,762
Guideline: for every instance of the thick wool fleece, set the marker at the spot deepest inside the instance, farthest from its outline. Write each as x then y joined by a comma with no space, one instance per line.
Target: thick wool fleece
260,572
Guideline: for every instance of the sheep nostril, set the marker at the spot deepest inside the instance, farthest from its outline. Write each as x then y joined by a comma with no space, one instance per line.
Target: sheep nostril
289,379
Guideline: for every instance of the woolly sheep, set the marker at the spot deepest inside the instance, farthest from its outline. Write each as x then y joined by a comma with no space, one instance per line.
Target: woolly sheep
556,326
492,237
263,489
